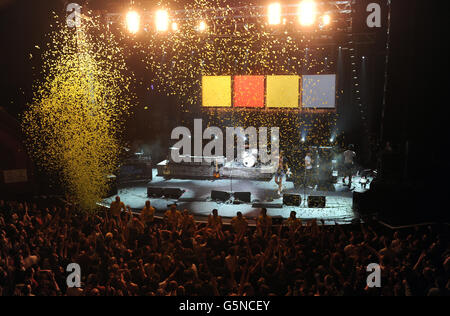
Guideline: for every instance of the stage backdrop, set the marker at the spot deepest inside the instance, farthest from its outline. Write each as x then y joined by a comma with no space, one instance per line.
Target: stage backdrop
319,92
216,91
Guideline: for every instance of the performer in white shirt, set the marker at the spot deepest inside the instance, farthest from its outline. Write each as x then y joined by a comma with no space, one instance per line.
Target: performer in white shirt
308,169
282,171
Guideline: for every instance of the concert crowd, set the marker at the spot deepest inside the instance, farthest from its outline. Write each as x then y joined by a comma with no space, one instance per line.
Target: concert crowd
126,254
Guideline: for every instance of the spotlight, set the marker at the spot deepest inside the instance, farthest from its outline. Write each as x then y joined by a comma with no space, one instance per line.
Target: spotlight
303,139
307,12
133,20
174,26
274,13
162,20
326,19
202,26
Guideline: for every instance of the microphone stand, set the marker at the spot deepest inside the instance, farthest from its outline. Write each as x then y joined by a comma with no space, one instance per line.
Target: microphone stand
231,178
304,187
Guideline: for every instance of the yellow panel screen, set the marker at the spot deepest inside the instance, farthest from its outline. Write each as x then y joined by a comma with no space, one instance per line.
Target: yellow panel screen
216,91
283,91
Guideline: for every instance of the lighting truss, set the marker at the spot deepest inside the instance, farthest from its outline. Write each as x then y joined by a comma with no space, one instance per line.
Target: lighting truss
340,10
338,32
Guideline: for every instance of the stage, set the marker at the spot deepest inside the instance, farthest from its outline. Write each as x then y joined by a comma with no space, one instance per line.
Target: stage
197,199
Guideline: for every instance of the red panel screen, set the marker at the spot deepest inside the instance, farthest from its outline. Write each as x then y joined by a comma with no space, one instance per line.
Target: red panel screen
249,91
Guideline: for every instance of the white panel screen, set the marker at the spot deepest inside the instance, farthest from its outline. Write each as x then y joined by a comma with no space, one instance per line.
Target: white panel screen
319,91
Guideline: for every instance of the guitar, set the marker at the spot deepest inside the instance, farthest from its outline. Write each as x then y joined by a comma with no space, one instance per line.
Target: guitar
288,172
166,171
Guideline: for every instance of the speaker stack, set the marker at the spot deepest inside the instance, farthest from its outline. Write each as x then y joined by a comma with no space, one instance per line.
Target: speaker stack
112,186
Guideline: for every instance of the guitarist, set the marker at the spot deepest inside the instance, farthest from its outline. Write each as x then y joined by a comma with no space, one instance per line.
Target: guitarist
217,171
166,171
282,170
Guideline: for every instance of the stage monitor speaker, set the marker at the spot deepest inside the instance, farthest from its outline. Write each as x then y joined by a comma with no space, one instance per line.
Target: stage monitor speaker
154,192
292,199
220,196
267,205
317,201
172,193
245,197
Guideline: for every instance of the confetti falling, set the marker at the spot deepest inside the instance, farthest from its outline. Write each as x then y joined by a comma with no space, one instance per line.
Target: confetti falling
74,125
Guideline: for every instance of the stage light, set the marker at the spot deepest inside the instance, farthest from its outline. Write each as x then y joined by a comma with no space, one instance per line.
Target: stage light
303,139
162,20
274,13
133,20
326,20
307,12
202,26
174,26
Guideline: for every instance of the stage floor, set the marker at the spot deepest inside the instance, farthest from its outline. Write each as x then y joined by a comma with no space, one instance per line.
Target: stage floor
339,206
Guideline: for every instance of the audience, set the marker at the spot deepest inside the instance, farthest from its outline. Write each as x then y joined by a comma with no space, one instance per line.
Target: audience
148,214
129,255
